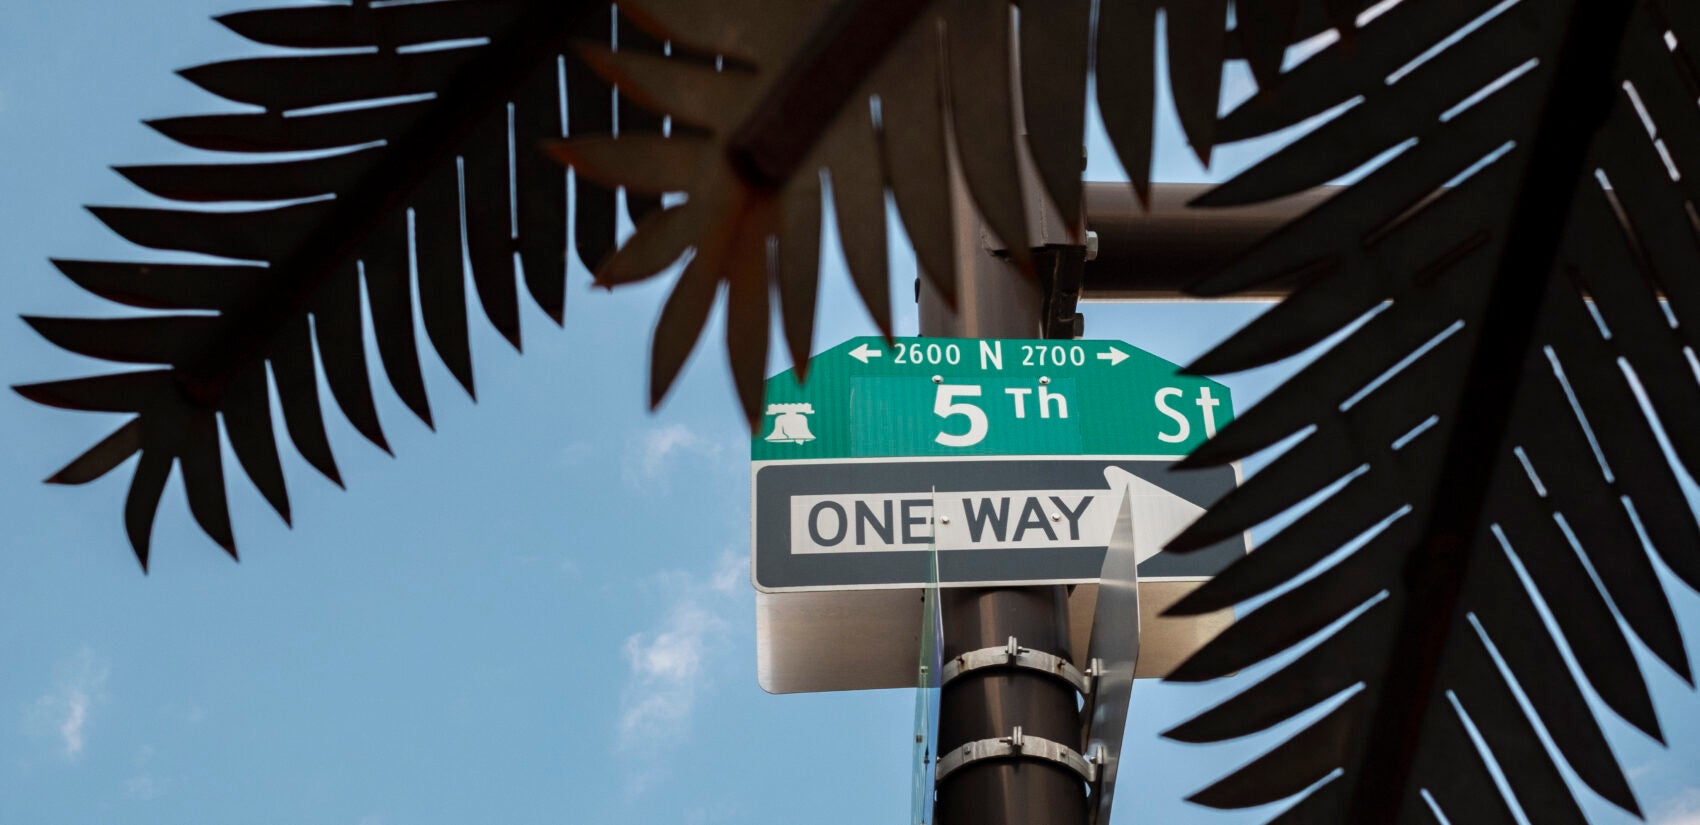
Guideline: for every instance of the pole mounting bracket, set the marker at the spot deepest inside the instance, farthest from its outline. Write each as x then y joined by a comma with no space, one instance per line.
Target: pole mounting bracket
1018,746
1012,654
1061,269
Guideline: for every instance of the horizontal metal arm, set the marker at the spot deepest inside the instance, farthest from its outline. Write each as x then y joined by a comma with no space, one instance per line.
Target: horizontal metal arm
1157,254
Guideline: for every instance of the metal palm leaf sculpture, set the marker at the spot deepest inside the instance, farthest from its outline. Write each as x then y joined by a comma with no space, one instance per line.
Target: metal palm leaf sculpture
1477,440
427,120
446,94
1517,272
864,98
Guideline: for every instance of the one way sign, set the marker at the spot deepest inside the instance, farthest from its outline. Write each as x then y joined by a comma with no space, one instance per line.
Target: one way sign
850,524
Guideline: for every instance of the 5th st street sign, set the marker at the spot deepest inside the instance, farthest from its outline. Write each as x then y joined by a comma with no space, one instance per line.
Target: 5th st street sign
969,397
998,447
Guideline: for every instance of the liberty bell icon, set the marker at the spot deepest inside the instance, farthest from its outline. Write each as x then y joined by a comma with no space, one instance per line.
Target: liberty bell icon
790,426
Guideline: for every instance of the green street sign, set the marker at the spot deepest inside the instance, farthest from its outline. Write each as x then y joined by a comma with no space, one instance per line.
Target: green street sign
903,465
870,398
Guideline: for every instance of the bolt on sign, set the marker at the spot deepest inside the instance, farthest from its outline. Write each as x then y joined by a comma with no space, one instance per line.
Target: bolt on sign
995,451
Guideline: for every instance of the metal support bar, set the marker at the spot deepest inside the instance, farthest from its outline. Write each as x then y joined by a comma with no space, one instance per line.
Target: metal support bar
1158,253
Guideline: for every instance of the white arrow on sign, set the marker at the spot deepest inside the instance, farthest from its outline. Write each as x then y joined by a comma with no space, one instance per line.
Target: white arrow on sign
1114,356
862,353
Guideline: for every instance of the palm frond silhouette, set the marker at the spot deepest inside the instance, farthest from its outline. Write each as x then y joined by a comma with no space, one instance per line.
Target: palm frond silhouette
1513,273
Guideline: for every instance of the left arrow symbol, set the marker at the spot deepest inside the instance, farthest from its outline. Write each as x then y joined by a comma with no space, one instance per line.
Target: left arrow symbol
862,353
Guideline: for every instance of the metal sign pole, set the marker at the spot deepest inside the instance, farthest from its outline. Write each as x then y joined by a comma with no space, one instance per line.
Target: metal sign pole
1011,713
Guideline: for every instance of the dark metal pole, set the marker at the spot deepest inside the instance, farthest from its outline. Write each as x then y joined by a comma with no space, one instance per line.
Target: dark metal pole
991,703
1141,254
995,300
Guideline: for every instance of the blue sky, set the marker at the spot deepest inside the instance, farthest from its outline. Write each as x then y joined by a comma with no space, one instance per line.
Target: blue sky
540,613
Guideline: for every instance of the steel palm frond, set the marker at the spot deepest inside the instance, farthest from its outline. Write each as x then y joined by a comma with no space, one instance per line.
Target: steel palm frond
413,114
416,112
865,97
1476,440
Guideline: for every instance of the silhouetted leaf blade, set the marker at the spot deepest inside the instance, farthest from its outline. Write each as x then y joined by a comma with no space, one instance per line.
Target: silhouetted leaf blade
801,94
432,113
1055,47
1482,249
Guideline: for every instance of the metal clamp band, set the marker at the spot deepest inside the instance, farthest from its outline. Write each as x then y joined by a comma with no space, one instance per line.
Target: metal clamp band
1014,655
1017,746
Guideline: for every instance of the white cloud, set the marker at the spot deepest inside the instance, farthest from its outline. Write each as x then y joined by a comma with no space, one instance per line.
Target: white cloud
66,709
1683,808
76,719
142,786
674,656
659,448
669,667
731,572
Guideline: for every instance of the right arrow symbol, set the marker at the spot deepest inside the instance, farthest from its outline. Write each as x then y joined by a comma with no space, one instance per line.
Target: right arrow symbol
1114,356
